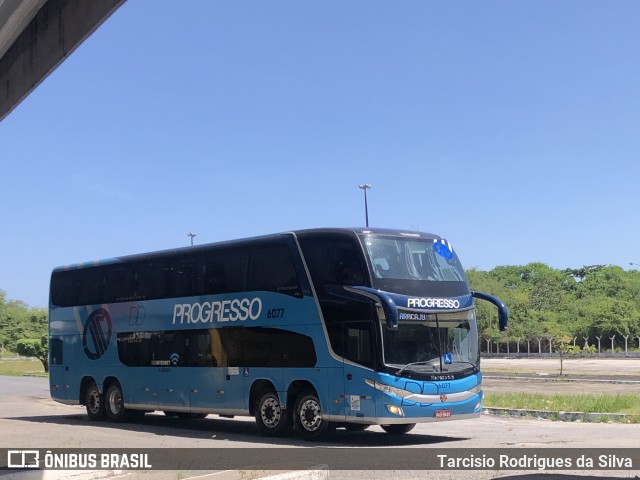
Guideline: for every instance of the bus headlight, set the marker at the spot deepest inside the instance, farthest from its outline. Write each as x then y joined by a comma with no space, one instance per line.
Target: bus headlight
395,410
389,390
476,389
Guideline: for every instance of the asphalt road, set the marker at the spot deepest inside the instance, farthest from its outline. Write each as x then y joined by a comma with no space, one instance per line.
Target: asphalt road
29,419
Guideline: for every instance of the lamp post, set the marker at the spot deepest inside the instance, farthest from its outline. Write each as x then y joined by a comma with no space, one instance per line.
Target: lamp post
365,187
190,234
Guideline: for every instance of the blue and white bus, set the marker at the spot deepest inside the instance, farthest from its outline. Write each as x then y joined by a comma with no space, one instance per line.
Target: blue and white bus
312,329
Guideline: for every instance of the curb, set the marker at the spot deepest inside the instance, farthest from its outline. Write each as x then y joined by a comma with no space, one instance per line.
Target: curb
560,416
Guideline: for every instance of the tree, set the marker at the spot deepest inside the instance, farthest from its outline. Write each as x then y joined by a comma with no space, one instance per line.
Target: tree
563,346
17,321
32,347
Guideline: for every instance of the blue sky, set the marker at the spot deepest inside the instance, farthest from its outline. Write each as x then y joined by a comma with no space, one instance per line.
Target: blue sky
510,127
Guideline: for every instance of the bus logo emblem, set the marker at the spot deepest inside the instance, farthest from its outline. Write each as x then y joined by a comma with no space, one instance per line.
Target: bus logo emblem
443,398
97,334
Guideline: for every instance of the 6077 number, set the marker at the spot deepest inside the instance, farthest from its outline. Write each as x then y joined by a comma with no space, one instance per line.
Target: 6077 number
275,313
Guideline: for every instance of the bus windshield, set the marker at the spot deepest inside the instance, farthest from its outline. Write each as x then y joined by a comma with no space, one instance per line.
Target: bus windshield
444,343
414,266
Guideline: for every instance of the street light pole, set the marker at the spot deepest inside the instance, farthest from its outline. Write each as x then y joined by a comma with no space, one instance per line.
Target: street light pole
365,187
190,234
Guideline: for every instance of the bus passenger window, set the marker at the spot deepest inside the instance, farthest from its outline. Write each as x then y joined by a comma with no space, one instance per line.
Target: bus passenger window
333,261
273,270
56,351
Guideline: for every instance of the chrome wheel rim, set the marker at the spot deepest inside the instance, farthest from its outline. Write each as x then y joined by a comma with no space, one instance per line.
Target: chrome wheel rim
93,401
115,401
270,412
310,415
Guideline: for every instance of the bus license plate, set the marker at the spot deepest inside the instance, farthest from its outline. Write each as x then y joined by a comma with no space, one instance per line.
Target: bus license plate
443,413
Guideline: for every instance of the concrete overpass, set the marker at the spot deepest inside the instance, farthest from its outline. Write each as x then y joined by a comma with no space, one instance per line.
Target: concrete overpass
37,35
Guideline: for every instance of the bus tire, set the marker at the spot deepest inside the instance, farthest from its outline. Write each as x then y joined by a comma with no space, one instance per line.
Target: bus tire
114,403
271,418
398,429
308,417
94,403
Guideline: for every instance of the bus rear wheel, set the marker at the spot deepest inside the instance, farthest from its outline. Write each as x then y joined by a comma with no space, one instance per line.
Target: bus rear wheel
114,403
398,429
309,419
271,418
94,403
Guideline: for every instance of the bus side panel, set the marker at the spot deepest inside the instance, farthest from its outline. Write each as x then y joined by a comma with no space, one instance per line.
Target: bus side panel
327,377
317,378
140,386
360,398
65,379
207,386
84,346
173,388
335,402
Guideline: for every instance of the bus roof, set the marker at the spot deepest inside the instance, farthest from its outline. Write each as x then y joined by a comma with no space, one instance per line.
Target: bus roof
353,231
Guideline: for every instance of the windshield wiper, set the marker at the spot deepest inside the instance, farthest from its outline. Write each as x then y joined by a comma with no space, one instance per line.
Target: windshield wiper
431,363
473,365
426,362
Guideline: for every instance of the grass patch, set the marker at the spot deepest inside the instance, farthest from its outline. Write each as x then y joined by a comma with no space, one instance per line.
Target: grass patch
588,403
22,367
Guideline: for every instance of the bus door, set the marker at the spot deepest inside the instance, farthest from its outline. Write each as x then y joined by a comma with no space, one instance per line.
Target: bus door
206,376
216,388
206,388
217,382
234,388
173,387
170,356
232,354
359,355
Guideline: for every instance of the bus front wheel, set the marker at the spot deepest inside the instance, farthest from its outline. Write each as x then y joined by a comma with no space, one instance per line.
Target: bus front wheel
398,429
271,418
309,419
94,402
114,403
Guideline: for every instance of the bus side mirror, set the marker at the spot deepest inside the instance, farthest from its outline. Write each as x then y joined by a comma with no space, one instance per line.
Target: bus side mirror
503,313
356,293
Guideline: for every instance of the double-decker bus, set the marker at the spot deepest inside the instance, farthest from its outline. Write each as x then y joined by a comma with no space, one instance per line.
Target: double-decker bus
311,329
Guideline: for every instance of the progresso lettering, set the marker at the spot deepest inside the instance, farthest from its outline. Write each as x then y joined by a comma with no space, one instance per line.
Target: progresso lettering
224,311
433,303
